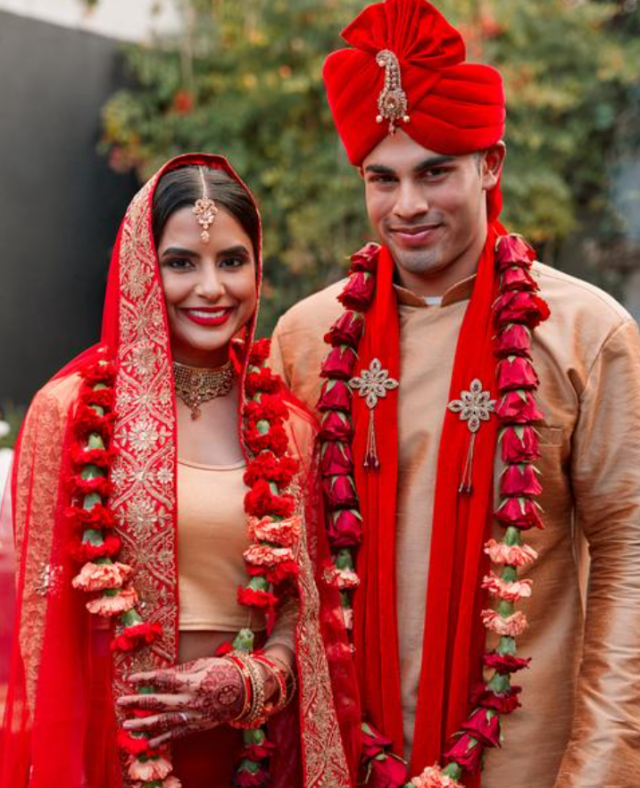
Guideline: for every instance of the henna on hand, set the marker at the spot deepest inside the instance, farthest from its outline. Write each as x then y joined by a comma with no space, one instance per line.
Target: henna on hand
219,695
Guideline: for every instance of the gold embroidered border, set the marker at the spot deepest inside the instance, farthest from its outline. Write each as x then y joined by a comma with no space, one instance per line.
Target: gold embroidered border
35,510
324,761
144,498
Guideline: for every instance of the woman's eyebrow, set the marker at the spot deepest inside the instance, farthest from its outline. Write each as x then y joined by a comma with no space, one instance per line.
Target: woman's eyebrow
238,249
174,250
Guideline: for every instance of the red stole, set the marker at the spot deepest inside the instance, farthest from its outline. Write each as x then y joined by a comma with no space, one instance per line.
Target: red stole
453,632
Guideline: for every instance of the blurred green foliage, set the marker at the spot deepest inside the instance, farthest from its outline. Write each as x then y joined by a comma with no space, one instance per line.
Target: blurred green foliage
244,79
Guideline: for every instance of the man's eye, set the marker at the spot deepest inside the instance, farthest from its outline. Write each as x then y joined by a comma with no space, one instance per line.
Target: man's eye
382,179
436,172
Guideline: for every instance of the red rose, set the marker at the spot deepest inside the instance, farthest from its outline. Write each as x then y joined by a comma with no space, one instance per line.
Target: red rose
85,551
260,502
267,466
259,352
522,513
513,340
358,292
334,395
340,491
344,528
516,278
484,725
504,663
518,407
347,330
516,372
387,772
339,363
264,382
138,635
335,458
365,259
521,307
336,426
519,444
503,703
514,250
520,480
373,742
466,752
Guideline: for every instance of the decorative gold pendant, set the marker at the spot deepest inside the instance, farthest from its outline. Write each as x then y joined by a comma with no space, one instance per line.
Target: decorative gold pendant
373,385
474,407
197,385
392,101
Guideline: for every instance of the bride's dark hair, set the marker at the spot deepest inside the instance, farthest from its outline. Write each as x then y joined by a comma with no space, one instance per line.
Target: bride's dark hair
182,187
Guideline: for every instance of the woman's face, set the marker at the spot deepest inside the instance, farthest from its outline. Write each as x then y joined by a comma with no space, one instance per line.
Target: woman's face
210,288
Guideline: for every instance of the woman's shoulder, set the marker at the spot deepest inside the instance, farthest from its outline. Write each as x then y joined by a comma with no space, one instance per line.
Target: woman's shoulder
55,398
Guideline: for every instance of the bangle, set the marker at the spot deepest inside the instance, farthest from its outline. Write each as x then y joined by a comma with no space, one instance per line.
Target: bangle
246,682
255,716
289,672
281,678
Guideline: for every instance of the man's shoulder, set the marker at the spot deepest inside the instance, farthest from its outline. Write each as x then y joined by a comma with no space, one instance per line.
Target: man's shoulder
573,300
315,312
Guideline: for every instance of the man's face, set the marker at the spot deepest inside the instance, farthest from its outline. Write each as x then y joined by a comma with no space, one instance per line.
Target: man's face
428,209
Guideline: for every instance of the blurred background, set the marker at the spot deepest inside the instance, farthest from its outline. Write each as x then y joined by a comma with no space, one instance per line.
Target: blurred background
96,94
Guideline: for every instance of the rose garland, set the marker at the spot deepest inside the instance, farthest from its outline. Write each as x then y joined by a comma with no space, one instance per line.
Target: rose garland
517,311
270,560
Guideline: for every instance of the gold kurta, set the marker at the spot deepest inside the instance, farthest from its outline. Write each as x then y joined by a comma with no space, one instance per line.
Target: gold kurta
579,726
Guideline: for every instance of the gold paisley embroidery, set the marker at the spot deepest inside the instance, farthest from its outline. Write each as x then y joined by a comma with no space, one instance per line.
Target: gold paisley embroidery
325,764
143,500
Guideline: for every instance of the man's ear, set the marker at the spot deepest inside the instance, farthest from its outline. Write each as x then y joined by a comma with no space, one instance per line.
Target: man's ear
492,164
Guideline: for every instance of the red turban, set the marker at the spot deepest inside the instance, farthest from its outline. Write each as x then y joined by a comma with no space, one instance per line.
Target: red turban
452,107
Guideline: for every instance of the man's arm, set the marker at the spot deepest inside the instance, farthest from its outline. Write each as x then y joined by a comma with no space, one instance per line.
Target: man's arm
604,749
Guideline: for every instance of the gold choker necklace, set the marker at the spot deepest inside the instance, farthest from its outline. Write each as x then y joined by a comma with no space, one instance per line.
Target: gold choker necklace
197,385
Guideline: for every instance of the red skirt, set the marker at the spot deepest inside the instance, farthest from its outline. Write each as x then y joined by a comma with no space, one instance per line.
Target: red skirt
207,760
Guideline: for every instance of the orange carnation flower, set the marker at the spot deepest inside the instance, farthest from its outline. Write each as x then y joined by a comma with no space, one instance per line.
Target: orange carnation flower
97,577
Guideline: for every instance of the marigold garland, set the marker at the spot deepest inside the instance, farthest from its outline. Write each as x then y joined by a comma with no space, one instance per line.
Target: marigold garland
270,560
518,310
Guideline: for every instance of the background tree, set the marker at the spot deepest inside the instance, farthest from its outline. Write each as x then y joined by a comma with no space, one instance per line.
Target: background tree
245,80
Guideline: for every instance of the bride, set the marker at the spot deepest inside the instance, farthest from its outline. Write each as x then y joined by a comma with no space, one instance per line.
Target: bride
169,628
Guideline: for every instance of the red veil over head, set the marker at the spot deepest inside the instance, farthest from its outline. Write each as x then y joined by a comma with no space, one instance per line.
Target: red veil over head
60,722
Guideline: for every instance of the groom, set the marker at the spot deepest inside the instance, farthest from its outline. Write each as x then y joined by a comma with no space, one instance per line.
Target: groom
469,396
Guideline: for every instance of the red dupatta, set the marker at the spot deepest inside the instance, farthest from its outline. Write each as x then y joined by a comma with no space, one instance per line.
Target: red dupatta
60,720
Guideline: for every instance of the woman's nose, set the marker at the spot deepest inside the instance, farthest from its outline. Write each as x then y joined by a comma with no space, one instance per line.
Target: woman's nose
209,285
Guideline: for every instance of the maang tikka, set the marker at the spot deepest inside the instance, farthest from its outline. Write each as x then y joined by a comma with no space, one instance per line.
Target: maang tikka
205,210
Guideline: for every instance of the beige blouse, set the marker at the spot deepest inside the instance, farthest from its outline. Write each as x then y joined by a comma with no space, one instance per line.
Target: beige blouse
212,536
